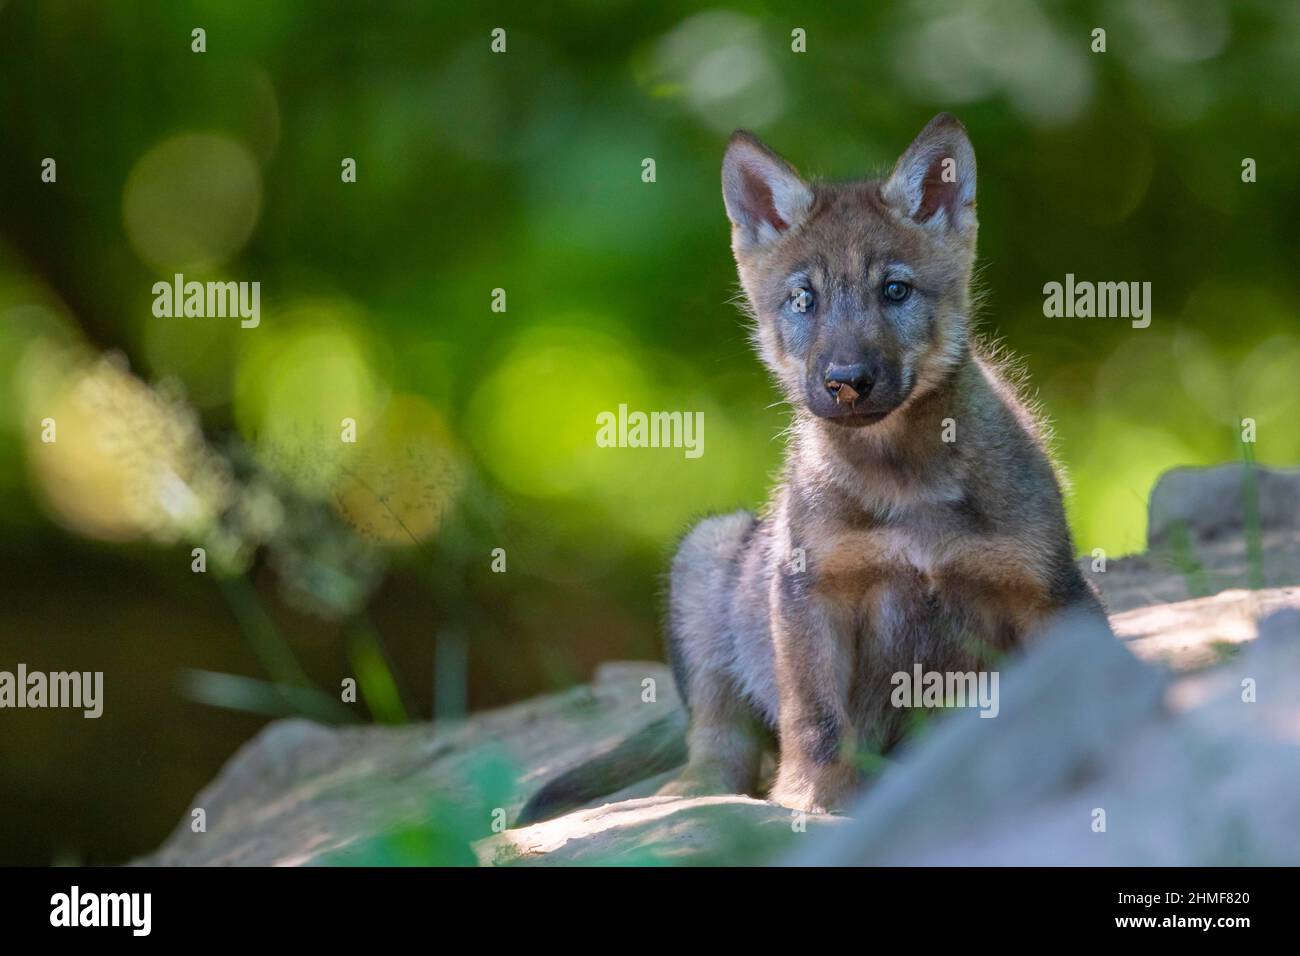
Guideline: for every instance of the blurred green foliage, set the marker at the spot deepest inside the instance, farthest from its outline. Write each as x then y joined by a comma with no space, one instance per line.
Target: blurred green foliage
522,171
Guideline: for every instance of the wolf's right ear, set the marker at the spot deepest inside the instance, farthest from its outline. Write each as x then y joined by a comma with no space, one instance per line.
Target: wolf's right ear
763,194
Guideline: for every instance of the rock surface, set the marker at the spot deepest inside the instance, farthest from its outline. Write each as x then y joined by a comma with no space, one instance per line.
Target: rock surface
1154,734
1140,773
301,793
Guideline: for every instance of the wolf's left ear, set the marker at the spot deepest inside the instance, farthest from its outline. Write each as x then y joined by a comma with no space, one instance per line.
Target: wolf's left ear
763,194
933,182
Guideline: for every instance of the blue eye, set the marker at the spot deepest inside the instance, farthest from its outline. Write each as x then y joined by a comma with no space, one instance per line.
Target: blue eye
802,300
896,291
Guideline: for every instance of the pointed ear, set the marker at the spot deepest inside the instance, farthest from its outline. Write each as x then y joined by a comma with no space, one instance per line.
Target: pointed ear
933,182
763,194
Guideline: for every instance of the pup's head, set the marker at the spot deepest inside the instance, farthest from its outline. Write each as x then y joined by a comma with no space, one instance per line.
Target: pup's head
860,289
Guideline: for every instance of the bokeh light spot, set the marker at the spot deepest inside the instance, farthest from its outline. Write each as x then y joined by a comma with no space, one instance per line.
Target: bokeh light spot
192,202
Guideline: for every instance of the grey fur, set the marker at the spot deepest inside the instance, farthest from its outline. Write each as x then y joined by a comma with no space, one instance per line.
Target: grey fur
915,549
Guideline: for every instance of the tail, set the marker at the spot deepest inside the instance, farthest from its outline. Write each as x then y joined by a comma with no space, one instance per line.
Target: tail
656,748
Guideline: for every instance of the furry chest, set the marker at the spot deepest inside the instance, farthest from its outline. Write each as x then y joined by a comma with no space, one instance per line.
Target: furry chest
851,565
909,588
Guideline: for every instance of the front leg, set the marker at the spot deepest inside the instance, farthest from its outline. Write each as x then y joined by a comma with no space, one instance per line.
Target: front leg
813,646
1072,599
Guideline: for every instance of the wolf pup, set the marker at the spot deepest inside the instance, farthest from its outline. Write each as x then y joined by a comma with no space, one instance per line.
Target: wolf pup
919,519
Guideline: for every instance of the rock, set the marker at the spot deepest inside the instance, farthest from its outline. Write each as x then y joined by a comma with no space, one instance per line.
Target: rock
1201,539
1079,689
1152,729
1208,503
1197,777
299,793
724,829
1189,634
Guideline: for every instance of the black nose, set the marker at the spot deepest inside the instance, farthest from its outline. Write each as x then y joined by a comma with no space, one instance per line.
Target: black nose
849,382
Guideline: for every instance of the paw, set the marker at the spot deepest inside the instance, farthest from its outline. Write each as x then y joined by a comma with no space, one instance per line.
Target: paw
798,798
820,791
691,786
709,778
